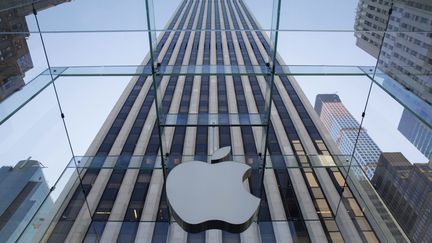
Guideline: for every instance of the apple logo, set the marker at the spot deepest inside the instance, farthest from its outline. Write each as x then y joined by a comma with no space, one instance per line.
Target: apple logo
205,196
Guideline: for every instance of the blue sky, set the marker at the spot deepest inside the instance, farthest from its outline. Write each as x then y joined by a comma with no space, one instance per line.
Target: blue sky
37,131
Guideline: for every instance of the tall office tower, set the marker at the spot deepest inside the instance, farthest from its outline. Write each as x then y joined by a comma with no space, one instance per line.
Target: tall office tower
405,52
22,190
406,188
120,196
343,129
15,59
372,15
416,132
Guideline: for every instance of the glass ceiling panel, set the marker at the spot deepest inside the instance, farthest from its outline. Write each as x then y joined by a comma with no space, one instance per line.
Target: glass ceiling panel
94,16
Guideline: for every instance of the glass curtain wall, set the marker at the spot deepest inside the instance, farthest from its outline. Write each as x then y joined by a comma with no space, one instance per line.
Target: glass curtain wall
109,97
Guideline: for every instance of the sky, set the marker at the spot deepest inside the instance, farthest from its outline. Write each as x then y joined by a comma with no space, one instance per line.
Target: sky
37,131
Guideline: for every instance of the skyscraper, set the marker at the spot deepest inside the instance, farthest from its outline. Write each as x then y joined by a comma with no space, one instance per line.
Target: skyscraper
406,47
22,190
120,196
416,132
344,128
406,188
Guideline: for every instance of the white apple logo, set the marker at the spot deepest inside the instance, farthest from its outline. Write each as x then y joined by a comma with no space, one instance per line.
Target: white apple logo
205,196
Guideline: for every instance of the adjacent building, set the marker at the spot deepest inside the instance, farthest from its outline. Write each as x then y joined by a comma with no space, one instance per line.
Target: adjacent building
417,132
346,133
404,52
120,195
15,59
407,191
22,190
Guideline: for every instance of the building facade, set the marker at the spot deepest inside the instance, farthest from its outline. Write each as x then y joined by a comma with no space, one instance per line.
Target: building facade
22,190
344,129
407,46
120,195
407,190
416,132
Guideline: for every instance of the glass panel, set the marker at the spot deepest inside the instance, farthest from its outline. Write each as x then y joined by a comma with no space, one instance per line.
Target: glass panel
338,107
21,59
406,152
408,134
405,66
92,49
299,15
170,7
373,210
50,219
405,48
94,16
322,48
88,111
37,132
418,106
196,106
20,98
34,151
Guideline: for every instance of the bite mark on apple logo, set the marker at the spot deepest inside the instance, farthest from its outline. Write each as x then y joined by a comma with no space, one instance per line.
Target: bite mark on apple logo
205,196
